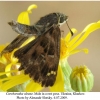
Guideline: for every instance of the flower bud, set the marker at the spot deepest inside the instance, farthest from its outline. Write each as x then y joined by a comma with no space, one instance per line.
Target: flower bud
81,79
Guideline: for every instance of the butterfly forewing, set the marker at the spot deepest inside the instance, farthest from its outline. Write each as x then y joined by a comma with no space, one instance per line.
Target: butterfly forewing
17,42
40,58
42,25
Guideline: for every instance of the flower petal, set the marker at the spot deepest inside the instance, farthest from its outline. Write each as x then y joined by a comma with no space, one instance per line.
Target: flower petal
87,27
72,42
3,73
3,60
23,18
8,68
90,29
68,36
33,87
2,47
59,84
33,6
13,59
28,40
79,50
19,79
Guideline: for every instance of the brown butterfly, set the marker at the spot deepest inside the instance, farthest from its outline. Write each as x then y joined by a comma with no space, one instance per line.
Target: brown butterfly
37,29
40,57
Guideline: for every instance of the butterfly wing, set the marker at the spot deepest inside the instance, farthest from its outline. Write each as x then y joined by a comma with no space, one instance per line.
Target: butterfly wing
18,41
24,29
37,29
24,33
40,58
42,25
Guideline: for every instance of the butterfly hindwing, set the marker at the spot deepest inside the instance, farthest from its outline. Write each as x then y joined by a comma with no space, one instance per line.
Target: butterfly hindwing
40,58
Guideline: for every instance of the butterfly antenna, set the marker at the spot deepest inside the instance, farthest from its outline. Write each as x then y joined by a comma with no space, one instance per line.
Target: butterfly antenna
70,29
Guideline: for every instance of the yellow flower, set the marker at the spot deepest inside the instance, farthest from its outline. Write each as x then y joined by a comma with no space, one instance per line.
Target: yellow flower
68,44
7,60
68,47
81,79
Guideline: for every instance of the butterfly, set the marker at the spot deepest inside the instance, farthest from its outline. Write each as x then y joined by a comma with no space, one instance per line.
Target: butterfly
40,57
26,31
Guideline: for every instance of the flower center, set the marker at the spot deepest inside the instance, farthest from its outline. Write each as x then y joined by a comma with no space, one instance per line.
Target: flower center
64,49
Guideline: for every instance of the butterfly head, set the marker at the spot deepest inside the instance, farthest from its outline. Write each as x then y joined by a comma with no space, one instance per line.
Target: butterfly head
62,18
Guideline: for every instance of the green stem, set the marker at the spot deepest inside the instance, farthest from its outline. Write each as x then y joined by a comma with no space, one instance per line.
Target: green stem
66,69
